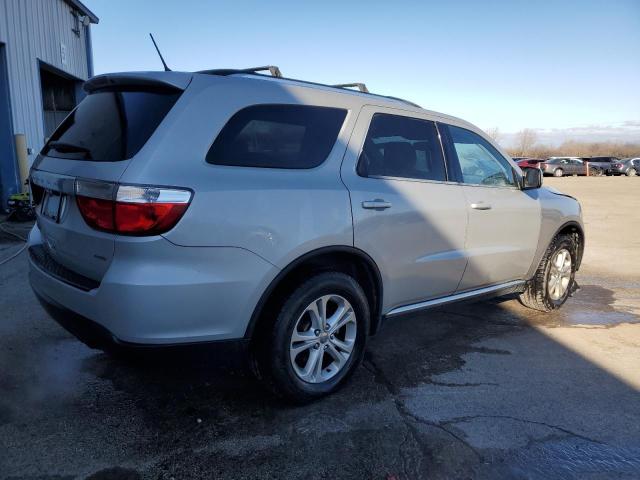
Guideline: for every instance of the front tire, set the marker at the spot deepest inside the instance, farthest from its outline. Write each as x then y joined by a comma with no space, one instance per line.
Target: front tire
318,338
554,279
558,172
631,172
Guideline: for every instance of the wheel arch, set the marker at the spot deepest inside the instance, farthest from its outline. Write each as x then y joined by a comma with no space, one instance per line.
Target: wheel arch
346,259
573,228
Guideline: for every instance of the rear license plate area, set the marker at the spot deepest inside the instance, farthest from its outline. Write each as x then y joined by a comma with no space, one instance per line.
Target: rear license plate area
52,204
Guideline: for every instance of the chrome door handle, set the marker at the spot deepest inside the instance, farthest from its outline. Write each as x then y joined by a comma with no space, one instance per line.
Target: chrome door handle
481,206
377,204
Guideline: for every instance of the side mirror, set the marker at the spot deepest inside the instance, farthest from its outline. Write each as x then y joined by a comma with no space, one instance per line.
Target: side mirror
532,178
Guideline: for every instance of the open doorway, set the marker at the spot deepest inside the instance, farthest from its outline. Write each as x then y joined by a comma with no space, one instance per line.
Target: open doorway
8,178
58,98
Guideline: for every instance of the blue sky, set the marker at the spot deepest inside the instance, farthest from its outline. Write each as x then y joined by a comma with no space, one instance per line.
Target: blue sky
553,65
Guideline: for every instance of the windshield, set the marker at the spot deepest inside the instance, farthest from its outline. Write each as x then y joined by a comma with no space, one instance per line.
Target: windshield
110,125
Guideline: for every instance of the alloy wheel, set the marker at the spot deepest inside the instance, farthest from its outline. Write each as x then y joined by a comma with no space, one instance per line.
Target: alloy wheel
559,274
323,339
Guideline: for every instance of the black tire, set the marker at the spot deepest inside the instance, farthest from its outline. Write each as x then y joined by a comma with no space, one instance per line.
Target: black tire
631,172
536,294
558,172
272,363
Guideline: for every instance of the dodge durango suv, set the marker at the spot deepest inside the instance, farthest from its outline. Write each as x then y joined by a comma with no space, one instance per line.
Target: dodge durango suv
293,218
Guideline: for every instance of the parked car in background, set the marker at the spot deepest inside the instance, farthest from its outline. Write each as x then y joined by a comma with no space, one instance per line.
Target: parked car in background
528,162
604,163
560,166
629,167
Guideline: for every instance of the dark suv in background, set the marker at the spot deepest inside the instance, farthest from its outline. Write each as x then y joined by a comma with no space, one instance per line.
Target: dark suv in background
604,163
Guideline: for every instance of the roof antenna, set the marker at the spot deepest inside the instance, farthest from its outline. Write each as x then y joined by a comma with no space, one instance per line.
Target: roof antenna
166,68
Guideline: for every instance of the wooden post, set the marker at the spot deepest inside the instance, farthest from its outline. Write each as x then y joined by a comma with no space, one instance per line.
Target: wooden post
23,160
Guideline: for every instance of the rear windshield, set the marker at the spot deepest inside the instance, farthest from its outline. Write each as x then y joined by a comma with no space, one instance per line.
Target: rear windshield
110,125
278,136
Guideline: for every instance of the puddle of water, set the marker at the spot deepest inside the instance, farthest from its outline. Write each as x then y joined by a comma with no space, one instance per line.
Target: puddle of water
592,305
598,318
576,459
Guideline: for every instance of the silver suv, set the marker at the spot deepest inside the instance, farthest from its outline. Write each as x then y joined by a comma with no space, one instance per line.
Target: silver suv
293,218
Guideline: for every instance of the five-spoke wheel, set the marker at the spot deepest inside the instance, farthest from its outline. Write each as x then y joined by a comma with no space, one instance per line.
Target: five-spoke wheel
323,338
559,274
317,339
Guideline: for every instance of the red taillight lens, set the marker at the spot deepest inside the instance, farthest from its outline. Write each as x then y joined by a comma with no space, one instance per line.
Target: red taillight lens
147,218
617,165
96,212
131,209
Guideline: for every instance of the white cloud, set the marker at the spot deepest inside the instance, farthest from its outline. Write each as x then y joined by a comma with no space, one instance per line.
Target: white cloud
627,131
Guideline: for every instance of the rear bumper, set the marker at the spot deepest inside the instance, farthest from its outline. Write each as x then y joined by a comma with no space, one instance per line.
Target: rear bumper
95,335
157,293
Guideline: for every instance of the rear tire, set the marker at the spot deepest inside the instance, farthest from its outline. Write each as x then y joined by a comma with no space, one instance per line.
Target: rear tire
302,357
554,279
558,172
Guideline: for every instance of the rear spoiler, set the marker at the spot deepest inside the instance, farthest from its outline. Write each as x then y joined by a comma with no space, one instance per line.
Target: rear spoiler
163,81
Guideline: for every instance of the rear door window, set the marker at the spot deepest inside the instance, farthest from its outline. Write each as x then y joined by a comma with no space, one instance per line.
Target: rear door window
278,136
110,125
402,147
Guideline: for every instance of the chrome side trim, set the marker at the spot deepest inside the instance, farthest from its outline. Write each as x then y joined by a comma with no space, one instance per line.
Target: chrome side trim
436,302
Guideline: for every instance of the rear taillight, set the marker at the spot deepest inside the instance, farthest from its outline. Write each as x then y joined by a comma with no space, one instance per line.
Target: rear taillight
130,209
617,165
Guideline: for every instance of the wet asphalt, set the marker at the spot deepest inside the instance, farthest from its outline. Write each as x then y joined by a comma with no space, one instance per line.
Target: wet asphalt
477,391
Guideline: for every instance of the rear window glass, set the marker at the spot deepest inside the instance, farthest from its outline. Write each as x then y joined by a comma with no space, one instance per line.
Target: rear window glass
108,125
402,147
278,136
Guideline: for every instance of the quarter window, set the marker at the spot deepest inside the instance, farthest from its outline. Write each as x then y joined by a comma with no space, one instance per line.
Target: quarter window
403,147
478,161
278,136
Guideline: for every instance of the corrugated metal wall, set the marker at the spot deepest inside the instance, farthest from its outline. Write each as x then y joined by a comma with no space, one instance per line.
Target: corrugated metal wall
34,31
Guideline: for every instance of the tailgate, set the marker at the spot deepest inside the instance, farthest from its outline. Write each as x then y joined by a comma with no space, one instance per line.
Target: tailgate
97,141
66,237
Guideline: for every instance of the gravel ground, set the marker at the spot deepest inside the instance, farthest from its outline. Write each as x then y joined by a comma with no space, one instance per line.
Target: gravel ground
487,391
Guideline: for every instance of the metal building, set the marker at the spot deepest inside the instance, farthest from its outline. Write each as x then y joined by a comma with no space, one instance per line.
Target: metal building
45,55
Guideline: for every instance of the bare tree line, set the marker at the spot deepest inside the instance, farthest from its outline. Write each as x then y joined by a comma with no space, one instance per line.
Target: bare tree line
526,145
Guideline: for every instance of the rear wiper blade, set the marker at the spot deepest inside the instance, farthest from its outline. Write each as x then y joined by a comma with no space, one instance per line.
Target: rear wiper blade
65,147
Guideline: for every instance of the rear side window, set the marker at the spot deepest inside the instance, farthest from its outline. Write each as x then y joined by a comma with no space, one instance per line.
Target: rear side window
110,125
278,136
403,147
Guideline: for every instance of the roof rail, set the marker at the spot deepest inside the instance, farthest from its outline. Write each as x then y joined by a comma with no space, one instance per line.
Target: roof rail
273,70
360,86
402,100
